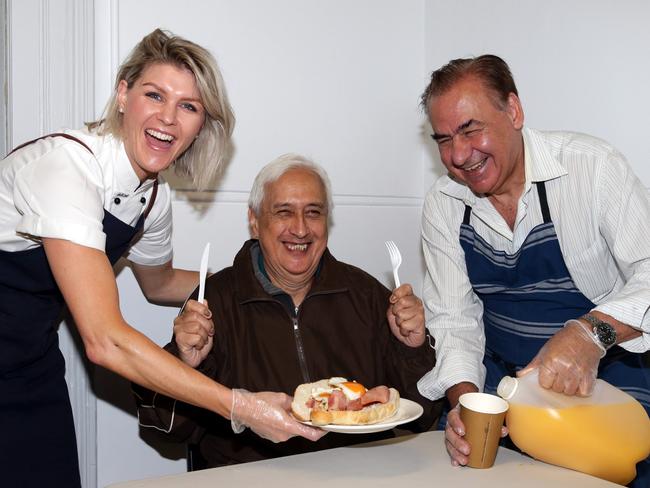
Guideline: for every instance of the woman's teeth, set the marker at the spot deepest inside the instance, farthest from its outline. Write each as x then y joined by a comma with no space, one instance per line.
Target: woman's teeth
159,135
297,247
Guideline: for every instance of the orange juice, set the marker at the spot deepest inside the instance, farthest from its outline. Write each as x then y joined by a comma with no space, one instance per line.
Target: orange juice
603,440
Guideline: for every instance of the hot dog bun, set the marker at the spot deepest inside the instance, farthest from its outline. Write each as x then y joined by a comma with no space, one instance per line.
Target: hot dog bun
370,414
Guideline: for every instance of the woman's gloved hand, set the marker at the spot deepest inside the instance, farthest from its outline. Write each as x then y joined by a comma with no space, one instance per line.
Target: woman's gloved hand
568,362
267,414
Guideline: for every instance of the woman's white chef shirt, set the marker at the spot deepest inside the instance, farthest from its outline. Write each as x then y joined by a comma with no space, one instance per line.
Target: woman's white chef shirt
56,188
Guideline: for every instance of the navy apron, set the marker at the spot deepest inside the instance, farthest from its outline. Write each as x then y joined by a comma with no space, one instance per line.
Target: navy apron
37,439
527,297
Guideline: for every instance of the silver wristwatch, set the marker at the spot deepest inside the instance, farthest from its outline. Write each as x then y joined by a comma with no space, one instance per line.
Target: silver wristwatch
603,332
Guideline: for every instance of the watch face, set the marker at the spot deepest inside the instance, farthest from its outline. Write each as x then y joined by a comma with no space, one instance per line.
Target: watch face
606,334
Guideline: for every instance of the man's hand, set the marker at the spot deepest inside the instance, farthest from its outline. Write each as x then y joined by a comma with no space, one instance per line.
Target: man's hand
457,447
406,316
568,362
194,331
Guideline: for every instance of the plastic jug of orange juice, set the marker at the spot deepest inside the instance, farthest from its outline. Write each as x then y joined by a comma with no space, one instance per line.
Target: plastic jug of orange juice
603,435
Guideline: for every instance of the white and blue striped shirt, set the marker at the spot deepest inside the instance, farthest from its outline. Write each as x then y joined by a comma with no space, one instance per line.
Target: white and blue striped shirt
601,212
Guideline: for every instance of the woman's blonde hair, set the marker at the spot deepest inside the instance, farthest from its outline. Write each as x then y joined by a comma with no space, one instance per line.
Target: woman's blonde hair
204,157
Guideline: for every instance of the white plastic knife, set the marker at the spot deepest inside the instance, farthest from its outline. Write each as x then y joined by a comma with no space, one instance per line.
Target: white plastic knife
203,271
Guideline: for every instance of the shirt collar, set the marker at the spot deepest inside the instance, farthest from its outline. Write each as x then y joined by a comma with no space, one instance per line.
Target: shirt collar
126,181
540,165
257,259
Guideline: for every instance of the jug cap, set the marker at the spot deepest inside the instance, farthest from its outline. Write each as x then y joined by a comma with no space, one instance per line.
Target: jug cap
507,387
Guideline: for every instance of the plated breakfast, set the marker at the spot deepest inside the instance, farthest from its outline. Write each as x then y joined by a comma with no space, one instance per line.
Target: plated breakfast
341,402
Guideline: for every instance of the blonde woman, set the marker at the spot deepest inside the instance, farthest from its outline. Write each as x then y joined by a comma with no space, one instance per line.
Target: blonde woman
71,204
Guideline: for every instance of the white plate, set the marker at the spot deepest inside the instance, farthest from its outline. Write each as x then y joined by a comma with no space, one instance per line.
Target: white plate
408,411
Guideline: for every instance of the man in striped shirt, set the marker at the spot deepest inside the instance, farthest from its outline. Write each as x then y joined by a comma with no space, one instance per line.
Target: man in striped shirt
537,247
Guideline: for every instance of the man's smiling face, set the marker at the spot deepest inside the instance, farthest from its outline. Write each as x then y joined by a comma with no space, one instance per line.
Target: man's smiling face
292,228
480,143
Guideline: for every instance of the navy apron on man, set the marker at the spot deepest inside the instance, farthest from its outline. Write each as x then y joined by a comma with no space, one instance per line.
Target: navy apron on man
527,297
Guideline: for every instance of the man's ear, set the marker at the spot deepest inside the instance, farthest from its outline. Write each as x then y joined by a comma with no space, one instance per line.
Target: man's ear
252,224
515,111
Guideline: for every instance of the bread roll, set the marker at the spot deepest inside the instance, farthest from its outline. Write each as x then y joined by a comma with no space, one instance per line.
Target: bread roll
371,414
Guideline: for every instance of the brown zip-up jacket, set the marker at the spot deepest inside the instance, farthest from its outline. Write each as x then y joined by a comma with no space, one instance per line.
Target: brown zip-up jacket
262,343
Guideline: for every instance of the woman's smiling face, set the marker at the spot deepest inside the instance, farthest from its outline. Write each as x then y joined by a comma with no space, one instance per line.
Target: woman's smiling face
162,115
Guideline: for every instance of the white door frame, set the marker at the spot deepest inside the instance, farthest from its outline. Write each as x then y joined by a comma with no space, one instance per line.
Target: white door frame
49,59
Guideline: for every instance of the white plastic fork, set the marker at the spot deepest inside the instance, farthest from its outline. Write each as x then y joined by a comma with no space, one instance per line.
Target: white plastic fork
395,259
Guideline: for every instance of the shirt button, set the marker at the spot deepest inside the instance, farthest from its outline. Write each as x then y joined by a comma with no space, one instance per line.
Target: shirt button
143,200
117,201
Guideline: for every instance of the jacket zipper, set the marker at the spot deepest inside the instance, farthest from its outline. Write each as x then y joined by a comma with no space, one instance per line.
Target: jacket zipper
300,348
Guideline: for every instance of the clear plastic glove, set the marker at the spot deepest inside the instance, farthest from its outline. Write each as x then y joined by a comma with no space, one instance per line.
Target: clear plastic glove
568,362
267,414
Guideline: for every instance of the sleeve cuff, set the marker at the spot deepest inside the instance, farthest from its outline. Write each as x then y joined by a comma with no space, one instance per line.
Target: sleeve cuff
632,312
154,410
35,226
435,383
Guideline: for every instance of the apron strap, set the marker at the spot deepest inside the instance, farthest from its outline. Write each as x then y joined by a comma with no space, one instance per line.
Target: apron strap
79,141
154,192
543,202
54,134
468,212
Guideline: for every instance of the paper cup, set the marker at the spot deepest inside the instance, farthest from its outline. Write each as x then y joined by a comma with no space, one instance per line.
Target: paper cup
483,416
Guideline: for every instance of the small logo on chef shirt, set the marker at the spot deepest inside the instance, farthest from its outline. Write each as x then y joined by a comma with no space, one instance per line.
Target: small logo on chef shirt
117,200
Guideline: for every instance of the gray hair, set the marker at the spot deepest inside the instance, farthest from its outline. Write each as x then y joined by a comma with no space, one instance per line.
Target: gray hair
278,167
202,161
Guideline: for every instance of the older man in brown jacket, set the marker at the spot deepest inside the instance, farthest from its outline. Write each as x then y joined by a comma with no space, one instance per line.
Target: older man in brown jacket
287,312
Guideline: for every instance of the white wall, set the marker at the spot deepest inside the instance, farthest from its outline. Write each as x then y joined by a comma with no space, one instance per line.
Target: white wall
580,65
338,81
3,78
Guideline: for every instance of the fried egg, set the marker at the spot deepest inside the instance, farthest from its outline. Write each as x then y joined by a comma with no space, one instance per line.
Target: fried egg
351,389
321,392
333,384
335,380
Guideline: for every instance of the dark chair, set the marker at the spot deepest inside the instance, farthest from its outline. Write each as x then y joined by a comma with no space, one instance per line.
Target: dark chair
195,460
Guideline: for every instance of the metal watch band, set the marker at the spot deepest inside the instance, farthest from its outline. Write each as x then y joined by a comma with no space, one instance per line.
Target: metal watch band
602,331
